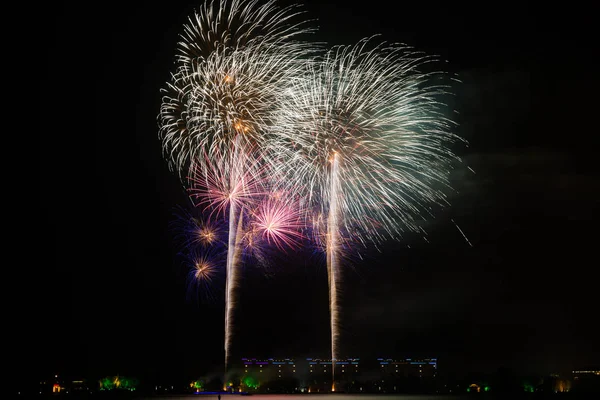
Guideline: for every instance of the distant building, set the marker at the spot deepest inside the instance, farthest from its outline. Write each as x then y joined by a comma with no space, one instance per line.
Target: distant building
586,380
586,374
405,375
270,368
311,374
425,368
270,375
322,371
323,375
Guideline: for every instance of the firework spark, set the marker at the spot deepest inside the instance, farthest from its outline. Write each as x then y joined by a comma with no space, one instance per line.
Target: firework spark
364,135
234,24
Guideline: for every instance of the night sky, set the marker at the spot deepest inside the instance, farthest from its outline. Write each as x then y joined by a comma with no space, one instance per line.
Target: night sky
99,289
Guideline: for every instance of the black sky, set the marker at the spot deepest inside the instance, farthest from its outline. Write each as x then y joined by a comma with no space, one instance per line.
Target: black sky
99,290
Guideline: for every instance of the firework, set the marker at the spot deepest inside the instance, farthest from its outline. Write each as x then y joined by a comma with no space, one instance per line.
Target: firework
234,59
360,136
364,135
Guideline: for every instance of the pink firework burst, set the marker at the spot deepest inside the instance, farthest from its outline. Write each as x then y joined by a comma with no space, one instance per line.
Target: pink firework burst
279,223
235,180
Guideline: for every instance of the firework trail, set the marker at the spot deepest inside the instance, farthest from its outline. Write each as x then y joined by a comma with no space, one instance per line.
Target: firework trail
332,261
364,134
234,58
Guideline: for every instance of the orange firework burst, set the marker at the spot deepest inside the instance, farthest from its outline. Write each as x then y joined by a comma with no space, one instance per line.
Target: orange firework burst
203,269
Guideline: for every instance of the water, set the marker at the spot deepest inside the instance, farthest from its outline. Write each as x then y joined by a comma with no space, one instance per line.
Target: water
320,397
466,396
